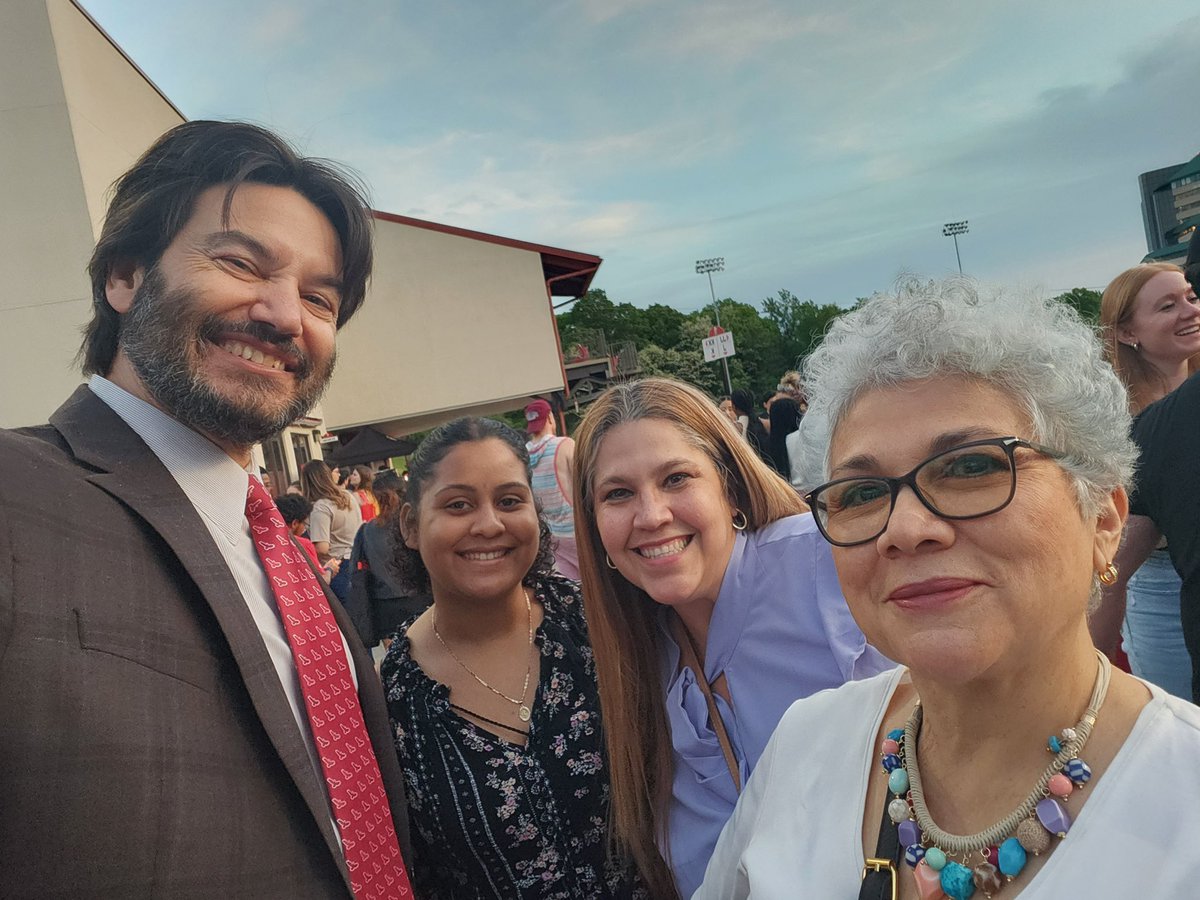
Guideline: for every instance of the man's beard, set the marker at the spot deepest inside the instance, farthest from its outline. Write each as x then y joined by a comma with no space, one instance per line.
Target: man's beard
166,337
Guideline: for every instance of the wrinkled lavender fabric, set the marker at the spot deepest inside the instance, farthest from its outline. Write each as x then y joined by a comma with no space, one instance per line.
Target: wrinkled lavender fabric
780,631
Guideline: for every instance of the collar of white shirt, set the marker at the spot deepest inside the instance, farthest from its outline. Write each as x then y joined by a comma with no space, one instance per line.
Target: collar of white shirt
212,481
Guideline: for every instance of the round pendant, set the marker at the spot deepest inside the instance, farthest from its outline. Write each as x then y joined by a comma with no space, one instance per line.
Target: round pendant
523,713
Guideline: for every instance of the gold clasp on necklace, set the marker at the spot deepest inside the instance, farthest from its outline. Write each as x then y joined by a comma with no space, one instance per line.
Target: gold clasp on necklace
880,865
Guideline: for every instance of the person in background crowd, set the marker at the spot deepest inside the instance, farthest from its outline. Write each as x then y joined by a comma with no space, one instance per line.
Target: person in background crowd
158,733
333,523
712,604
367,502
756,436
790,385
1164,504
551,458
378,602
765,420
295,511
1151,325
727,410
977,450
294,488
785,419
492,691
265,477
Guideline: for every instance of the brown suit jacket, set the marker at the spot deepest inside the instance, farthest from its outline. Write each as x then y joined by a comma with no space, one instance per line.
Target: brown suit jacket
146,746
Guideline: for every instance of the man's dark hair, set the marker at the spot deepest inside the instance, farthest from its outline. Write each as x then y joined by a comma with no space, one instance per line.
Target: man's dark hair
154,200
293,508
743,402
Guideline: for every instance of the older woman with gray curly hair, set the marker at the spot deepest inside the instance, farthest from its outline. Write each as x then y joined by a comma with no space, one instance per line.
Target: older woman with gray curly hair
967,459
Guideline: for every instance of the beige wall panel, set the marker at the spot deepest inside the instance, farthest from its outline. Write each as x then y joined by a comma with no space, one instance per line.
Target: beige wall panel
45,239
28,71
74,114
115,112
450,324
37,345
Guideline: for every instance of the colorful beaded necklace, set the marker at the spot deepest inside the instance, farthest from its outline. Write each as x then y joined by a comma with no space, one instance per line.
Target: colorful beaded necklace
941,861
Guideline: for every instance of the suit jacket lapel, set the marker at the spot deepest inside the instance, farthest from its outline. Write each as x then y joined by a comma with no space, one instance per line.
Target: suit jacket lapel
128,470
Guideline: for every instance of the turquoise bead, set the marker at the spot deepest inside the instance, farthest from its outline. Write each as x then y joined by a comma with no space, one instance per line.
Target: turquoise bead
898,781
935,859
896,734
1012,857
1055,744
957,882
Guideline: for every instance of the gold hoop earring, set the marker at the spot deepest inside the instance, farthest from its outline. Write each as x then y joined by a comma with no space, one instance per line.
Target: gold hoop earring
1109,576
609,561
738,514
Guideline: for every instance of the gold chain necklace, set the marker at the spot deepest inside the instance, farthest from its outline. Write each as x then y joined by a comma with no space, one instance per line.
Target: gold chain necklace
523,711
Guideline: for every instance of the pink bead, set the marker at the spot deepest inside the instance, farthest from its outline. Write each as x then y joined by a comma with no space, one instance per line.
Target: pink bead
890,746
1061,786
929,882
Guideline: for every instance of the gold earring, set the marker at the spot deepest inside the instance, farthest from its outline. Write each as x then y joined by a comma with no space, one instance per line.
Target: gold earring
738,514
609,561
1109,576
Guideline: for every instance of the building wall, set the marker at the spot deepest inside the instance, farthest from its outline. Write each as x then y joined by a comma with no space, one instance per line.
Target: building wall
1187,197
1158,206
450,325
74,114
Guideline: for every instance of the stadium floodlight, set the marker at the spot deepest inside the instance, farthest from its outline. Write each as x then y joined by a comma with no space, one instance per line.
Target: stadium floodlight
953,230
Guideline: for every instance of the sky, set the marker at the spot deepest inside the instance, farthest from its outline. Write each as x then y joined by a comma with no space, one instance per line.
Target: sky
818,147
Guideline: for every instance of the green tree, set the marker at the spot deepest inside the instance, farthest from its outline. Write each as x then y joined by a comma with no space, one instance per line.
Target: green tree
685,365
759,359
1086,302
801,323
659,324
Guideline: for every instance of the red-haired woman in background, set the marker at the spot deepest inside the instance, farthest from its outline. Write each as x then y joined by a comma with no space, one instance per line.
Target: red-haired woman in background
1151,324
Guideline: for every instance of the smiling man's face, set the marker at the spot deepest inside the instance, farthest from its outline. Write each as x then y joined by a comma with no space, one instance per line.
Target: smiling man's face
232,331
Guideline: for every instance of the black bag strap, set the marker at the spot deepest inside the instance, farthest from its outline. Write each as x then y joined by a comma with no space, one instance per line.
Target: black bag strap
881,873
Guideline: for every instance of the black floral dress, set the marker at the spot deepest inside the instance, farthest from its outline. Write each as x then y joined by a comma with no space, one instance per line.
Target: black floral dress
492,819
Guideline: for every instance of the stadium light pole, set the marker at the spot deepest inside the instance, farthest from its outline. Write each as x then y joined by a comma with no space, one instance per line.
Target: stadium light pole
707,267
954,229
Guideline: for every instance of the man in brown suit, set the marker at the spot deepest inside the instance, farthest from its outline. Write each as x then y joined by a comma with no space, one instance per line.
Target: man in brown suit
153,734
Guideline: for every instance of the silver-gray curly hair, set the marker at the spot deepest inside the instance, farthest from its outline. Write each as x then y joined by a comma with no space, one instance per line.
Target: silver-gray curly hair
1037,351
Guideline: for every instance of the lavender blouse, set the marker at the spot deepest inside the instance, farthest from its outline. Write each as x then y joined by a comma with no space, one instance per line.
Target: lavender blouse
780,631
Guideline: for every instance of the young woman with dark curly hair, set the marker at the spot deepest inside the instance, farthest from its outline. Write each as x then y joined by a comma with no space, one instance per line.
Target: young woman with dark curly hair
492,691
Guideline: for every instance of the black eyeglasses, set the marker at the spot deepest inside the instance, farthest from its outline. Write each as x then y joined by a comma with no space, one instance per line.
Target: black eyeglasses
965,482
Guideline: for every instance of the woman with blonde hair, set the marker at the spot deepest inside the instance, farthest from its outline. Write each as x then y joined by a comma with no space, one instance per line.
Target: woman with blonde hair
333,523
712,604
1151,327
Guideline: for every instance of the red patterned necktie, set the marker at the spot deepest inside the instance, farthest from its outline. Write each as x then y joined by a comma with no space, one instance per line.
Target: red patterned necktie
361,810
